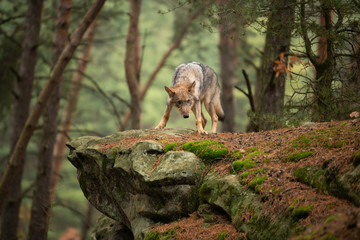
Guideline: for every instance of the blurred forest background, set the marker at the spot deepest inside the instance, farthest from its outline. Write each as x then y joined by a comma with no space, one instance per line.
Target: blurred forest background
71,68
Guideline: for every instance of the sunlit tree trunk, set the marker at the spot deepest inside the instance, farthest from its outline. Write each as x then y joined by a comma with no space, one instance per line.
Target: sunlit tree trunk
69,109
50,85
40,209
24,84
132,63
271,89
228,63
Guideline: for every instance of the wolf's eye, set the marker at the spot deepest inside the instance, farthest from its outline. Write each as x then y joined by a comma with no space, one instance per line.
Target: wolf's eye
178,103
188,101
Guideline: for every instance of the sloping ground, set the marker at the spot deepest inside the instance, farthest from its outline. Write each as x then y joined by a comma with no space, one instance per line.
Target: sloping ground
303,183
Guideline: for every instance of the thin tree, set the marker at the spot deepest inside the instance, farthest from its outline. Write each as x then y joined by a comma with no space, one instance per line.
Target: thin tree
23,89
70,107
132,63
228,62
54,78
270,90
41,203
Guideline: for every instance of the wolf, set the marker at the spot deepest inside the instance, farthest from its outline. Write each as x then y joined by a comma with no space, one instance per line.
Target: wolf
194,84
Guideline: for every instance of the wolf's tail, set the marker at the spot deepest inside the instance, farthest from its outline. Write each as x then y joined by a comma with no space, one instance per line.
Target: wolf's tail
219,111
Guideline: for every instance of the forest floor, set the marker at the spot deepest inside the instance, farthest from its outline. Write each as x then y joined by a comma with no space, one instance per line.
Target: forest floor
332,145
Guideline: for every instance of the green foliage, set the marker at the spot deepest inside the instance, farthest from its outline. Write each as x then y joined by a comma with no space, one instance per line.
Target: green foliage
207,150
295,157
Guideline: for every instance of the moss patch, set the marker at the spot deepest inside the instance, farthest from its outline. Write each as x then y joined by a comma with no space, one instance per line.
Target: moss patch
356,158
301,212
207,150
295,157
255,184
170,146
242,164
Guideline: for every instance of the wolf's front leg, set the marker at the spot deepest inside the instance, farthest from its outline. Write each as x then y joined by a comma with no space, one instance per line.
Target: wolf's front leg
165,117
199,124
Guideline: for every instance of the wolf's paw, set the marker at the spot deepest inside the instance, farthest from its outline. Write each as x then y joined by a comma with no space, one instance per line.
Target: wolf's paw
202,132
159,127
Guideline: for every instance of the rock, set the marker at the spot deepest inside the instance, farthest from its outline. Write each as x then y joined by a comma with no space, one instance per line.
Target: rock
130,185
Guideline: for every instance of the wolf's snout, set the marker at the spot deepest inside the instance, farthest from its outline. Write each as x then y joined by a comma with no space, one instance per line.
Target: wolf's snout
186,116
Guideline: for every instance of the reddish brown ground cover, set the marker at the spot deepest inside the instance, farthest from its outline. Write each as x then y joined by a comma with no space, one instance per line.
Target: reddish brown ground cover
333,145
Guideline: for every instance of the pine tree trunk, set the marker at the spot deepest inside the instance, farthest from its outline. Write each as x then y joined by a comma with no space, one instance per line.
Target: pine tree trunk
69,109
54,78
228,63
40,210
132,63
271,91
10,210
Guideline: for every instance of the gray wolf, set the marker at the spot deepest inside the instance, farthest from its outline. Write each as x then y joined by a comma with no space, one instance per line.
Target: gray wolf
194,84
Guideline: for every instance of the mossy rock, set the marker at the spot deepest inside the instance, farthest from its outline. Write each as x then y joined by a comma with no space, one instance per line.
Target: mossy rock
209,151
295,157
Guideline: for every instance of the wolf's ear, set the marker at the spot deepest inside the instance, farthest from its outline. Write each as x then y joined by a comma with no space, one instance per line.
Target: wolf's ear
191,86
170,91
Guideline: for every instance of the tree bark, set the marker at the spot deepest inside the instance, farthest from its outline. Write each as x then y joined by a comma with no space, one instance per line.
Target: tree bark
132,63
228,62
69,109
41,203
54,78
272,90
24,84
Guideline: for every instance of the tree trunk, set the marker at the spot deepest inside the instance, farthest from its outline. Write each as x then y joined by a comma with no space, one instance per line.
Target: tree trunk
40,210
132,63
69,109
54,78
228,63
24,84
87,221
271,91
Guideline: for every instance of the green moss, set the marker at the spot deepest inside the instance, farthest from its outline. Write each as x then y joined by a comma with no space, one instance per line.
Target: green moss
152,236
209,151
343,124
222,235
295,157
252,149
338,144
251,156
170,146
331,218
292,206
237,154
255,184
301,212
242,164
244,175
356,158
160,236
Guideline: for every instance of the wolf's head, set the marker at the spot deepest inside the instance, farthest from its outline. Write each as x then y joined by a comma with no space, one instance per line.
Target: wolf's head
182,97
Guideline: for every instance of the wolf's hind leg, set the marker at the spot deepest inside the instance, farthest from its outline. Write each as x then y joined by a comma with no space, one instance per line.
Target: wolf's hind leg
212,112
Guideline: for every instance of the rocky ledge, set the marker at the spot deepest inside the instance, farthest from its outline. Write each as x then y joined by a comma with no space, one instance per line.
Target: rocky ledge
274,185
